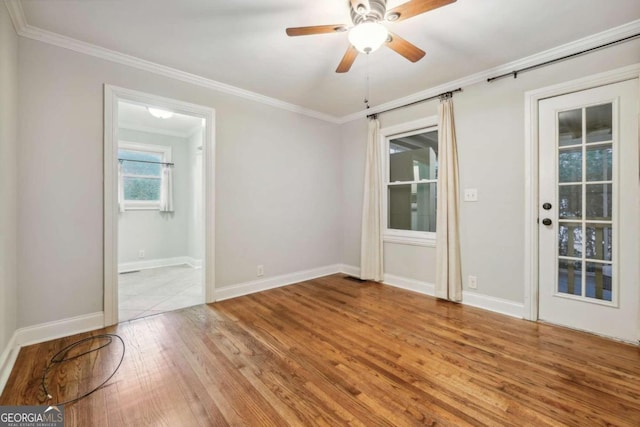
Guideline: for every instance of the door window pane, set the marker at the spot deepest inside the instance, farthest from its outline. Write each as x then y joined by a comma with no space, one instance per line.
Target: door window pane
570,127
599,163
570,165
570,240
570,277
599,241
412,207
414,157
570,202
598,281
599,123
599,201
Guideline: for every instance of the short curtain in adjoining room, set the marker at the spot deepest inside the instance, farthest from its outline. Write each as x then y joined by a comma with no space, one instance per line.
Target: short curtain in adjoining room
166,189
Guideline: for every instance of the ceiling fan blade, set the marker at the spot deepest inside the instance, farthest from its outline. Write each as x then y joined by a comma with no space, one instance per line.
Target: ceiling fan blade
404,48
356,3
347,60
317,29
415,7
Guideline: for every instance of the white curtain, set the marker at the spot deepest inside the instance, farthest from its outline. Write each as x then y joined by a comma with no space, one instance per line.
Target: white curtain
120,189
371,263
448,270
166,189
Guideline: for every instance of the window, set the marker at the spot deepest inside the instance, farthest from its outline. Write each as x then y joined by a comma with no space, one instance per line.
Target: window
141,180
411,177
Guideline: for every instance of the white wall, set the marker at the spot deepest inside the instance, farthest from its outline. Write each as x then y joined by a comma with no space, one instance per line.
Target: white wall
8,183
160,234
277,182
490,129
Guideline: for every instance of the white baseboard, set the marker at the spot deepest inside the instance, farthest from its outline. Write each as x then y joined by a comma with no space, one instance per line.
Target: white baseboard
125,267
59,328
44,332
497,305
425,288
273,282
194,262
7,360
349,269
473,299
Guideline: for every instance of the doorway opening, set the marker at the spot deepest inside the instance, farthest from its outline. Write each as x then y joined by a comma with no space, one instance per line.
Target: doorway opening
158,205
160,210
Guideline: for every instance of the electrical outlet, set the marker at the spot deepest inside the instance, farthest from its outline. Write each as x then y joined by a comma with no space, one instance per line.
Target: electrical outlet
260,271
141,253
470,194
472,281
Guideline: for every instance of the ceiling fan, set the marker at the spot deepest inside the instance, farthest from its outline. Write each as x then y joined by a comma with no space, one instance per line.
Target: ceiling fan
368,34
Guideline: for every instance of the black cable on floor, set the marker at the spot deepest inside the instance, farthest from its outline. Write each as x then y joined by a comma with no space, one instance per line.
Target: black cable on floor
61,357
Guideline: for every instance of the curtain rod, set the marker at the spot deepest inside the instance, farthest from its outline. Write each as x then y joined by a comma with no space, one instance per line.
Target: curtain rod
563,58
145,161
449,93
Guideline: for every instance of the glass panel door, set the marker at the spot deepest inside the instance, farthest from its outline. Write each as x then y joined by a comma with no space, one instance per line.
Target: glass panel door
585,201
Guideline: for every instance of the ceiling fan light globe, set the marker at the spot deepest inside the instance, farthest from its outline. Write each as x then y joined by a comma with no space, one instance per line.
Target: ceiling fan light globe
368,36
160,113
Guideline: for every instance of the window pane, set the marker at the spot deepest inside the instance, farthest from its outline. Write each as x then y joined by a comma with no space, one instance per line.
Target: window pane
570,277
598,281
570,202
570,127
412,207
570,240
599,241
599,119
141,188
599,161
599,201
570,165
136,168
413,158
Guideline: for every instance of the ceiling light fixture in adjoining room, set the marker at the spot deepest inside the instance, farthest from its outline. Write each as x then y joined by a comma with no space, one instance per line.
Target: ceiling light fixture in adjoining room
368,36
160,113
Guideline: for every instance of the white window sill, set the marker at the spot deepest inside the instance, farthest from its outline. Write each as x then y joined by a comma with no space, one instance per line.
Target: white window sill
410,240
142,207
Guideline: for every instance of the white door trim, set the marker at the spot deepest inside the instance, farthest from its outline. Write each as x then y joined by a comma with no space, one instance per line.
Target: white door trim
113,94
531,144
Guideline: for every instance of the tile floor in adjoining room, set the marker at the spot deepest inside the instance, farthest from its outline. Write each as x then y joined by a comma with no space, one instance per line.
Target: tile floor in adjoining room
157,290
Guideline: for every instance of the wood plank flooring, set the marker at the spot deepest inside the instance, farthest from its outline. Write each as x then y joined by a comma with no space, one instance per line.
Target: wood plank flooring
333,352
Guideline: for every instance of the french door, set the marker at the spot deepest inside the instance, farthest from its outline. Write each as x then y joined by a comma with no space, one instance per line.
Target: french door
589,211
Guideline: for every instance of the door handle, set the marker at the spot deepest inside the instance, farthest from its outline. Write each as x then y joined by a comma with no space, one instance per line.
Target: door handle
546,221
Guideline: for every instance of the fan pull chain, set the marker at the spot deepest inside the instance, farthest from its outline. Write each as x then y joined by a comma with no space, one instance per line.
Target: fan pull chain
366,97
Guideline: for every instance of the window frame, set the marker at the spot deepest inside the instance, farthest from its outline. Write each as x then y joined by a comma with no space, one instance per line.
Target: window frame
390,235
164,151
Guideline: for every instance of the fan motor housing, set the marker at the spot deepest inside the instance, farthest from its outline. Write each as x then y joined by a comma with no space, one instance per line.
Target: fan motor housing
377,10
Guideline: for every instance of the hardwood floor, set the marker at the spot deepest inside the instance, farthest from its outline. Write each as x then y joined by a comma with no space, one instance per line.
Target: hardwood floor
333,351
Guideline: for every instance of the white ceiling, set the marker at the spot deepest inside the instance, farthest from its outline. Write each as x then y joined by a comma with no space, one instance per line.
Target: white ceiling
243,42
137,117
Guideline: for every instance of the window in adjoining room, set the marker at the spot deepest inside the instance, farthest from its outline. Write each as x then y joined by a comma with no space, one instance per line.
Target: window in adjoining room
142,173
411,186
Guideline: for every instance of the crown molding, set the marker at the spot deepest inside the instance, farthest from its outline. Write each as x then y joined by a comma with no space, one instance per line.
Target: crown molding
28,31
588,42
25,30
